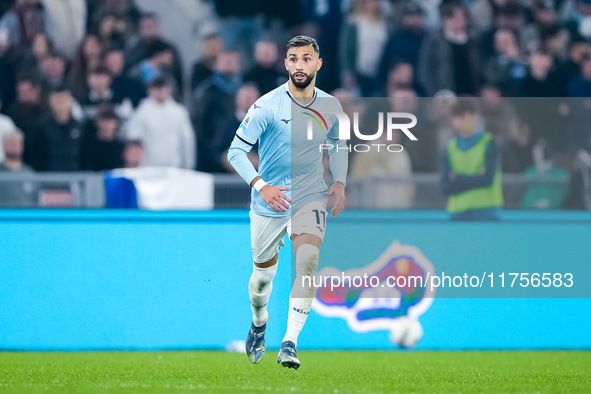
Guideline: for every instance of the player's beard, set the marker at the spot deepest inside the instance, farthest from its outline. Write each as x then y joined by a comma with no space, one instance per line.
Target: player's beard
302,84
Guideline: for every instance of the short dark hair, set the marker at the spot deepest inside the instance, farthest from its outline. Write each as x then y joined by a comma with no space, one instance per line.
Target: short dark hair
447,8
157,47
28,76
464,105
112,47
302,41
101,69
211,36
149,15
58,89
106,111
158,82
130,143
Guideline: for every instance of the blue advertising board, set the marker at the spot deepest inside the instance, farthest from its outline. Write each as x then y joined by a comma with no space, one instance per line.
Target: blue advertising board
109,279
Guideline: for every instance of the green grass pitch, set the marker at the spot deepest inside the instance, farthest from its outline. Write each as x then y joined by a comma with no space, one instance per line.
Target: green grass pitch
321,372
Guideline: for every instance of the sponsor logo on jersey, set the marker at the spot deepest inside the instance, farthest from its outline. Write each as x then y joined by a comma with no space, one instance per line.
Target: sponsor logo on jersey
245,123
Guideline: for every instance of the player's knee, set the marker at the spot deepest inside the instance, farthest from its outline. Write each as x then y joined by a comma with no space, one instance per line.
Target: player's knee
307,260
262,277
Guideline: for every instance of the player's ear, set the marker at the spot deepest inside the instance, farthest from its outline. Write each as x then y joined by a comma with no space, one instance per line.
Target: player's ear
319,64
285,63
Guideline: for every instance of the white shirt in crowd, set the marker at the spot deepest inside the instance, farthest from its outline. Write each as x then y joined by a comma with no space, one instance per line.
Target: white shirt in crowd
6,127
166,134
372,37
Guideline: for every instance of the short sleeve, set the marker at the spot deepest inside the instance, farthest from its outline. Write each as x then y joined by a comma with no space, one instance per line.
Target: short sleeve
254,124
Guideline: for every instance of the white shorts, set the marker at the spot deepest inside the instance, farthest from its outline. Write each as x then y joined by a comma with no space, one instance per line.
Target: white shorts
267,233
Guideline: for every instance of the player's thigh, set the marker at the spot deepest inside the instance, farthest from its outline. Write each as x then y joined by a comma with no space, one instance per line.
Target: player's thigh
308,225
266,236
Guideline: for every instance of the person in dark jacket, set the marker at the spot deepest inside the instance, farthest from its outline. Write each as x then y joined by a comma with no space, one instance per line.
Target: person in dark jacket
449,57
265,73
123,85
101,149
404,45
213,103
60,135
29,113
579,92
203,69
139,49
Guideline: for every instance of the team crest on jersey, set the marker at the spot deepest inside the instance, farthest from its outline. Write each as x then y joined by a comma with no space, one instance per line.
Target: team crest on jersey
245,123
378,304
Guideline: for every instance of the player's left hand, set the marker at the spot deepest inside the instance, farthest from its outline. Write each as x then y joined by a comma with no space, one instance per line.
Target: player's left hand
338,190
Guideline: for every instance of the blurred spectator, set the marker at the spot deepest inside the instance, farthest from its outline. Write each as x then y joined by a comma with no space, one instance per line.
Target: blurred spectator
442,104
133,155
482,13
110,30
124,9
571,68
469,168
245,98
401,75
500,119
122,85
423,154
544,17
32,58
264,73
12,153
580,86
68,23
506,68
508,16
141,46
390,172
203,69
29,113
60,135
213,103
23,21
7,80
16,194
555,41
579,92
362,42
88,57
579,18
6,126
240,23
541,193
159,63
99,93
539,109
53,71
323,20
404,45
449,57
539,81
164,128
101,149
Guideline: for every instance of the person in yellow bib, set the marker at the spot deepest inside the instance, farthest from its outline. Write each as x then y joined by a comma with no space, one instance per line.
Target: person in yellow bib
470,172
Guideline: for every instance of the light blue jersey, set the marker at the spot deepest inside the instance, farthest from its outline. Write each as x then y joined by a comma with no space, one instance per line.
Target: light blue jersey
269,121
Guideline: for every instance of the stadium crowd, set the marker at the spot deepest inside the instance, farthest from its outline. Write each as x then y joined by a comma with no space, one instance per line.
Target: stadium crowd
91,85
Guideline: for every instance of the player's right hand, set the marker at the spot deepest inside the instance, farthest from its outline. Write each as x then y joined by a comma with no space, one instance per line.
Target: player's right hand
273,195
